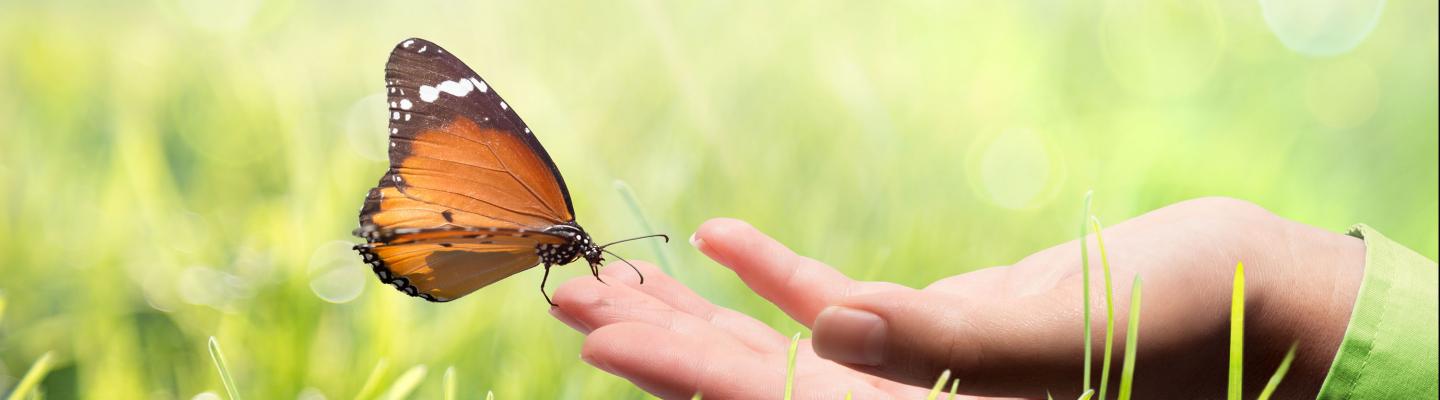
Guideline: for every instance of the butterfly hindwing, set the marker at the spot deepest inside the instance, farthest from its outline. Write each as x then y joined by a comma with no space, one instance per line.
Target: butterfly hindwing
442,265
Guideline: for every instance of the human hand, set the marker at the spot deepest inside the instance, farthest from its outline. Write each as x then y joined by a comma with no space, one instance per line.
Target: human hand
672,343
1005,331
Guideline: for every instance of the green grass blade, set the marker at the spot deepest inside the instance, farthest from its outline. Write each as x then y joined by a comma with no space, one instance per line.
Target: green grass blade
1279,373
1237,334
406,383
32,378
1048,396
790,366
2,306
1132,341
489,395
1109,309
449,379
1088,394
661,257
939,385
220,364
954,389
372,382
1085,290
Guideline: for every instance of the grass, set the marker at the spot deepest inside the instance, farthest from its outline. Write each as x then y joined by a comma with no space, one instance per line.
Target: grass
1109,309
1085,290
939,385
406,383
1237,335
372,381
449,381
222,366
28,384
790,366
1132,341
662,256
1279,375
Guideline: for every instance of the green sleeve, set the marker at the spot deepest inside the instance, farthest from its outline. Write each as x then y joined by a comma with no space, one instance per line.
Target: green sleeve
1389,349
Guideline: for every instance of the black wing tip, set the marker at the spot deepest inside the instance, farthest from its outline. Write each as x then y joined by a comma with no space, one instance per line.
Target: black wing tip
419,46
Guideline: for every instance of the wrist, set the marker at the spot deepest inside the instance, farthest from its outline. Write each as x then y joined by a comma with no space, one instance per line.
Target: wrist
1305,297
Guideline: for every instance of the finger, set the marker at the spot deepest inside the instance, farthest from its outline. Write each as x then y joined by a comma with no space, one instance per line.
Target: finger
670,365
752,332
594,305
569,320
799,285
1012,349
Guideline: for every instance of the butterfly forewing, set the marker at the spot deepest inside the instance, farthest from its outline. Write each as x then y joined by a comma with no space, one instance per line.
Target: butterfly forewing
455,144
461,162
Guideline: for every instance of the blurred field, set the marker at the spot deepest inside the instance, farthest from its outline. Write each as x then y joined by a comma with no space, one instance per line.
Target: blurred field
176,169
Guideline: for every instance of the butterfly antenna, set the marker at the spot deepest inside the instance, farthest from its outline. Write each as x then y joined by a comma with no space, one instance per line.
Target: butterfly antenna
659,235
627,262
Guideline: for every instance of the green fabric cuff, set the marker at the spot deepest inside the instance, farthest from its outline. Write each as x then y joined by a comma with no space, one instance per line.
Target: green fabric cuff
1389,349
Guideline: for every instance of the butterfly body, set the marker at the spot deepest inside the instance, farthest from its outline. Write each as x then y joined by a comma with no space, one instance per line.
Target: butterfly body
471,197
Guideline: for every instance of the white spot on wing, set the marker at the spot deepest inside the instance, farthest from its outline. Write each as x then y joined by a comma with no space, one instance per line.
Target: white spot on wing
459,88
395,115
480,84
407,43
504,106
422,48
405,104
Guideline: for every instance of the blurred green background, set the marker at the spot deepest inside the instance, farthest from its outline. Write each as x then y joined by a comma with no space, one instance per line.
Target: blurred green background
177,169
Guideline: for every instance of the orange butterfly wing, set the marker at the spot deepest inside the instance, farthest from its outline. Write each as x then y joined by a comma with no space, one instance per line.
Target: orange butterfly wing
445,265
461,160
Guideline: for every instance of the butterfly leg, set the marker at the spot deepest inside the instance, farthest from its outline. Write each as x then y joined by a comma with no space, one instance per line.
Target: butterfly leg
595,270
544,278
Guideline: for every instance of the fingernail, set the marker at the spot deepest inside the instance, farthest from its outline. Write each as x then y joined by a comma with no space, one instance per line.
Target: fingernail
849,335
695,241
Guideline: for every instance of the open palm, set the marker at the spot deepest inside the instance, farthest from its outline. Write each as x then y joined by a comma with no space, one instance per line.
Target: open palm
1005,331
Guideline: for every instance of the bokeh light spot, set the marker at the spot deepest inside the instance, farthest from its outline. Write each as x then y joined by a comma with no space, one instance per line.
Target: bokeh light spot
336,273
1015,169
1322,27
210,287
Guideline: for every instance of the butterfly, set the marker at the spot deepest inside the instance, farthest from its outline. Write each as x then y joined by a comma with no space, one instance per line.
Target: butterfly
470,197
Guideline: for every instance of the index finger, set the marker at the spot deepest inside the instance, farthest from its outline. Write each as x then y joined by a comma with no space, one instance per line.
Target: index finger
799,285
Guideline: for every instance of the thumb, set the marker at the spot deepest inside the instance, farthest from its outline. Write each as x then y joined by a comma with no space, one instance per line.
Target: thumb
1018,348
